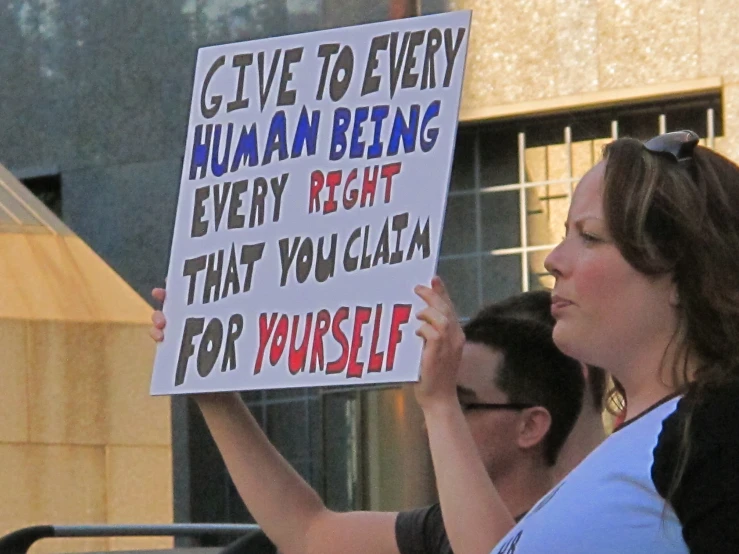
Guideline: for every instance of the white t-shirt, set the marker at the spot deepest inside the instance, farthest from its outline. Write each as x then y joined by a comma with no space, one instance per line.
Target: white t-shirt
606,505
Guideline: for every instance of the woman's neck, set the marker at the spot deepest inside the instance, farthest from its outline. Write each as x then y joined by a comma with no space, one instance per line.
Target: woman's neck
649,378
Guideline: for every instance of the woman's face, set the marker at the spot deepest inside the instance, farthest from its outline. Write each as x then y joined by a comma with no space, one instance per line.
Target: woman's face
608,314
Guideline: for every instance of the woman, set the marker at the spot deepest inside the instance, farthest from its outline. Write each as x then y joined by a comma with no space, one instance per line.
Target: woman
647,287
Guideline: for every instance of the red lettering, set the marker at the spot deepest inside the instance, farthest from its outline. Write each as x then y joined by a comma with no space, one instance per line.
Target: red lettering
388,172
297,356
316,185
265,331
323,321
369,185
338,365
376,358
333,179
279,340
401,316
361,317
350,195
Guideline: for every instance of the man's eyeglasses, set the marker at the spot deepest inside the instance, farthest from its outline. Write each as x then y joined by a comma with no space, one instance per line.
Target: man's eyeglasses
474,406
678,144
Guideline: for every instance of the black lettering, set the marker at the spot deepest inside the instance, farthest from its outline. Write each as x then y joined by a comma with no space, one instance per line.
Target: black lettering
259,193
199,227
325,51
396,59
210,346
351,262
371,81
213,274
235,327
451,51
382,252
400,222
410,78
304,262
325,265
241,61
209,112
345,62
219,201
192,267
433,43
286,97
287,254
250,254
421,240
231,282
193,328
235,219
278,187
264,89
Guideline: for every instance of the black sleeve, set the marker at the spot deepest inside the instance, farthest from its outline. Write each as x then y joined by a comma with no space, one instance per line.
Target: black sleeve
707,499
422,531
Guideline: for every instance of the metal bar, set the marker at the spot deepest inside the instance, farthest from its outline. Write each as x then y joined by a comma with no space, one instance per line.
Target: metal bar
662,124
710,128
614,129
507,251
514,186
499,252
478,216
523,215
190,529
570,171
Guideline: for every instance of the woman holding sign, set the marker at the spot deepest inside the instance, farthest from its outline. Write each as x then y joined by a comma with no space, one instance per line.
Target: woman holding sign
647,287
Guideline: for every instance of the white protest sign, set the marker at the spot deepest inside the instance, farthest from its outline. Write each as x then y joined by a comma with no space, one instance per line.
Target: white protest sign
311,203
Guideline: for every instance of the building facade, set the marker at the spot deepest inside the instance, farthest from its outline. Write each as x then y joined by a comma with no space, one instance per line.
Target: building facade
93,107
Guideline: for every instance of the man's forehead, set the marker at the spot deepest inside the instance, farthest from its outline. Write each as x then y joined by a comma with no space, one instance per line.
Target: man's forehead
478,370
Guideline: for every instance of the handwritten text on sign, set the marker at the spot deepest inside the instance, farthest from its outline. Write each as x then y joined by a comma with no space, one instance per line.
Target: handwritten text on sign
311,202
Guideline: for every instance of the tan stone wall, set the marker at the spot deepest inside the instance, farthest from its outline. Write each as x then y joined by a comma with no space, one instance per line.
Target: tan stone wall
524,50
81,441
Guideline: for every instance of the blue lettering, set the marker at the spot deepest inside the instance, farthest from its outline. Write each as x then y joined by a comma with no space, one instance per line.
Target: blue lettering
200,150
219,167
405,131
342,118
379,114
431,112
246,149
306,133
276,138
356,150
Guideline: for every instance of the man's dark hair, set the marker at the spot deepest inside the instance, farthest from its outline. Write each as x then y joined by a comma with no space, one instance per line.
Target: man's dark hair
537,306
534,371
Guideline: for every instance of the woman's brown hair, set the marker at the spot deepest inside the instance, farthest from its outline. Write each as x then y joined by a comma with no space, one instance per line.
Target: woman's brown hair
682,218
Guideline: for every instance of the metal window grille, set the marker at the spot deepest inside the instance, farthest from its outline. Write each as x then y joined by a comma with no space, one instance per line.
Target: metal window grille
512,184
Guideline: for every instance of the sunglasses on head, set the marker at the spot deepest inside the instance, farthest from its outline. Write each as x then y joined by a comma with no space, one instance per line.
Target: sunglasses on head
679,145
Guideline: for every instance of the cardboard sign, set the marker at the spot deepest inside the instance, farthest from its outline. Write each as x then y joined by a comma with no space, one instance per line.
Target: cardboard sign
311,203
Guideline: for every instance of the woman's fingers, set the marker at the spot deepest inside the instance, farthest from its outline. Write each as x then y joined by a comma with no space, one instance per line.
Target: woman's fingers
438,286
433,299
156,334
158,319
434,318
159,294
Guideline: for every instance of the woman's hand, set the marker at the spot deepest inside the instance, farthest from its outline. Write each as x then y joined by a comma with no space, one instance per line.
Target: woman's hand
159,322
443,342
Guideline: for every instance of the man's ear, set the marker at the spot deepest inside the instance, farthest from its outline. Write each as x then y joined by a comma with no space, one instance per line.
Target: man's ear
534,426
